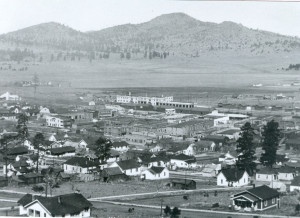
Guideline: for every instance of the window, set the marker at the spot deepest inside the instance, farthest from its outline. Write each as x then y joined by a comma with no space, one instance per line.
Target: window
30,212
258,176
266,177
273,200
45,214
37,213
266,203
221,181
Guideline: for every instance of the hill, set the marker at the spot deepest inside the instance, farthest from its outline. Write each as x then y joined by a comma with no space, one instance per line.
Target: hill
175,33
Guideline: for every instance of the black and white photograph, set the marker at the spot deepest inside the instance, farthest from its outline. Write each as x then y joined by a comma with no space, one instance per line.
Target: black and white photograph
149,108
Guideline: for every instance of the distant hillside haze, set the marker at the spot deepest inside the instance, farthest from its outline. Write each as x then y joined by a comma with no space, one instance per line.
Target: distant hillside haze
175,33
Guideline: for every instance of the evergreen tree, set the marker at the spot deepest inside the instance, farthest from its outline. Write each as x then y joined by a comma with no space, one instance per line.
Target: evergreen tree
270,143
102,149
175,212
245,148
4,149
22,127
38,141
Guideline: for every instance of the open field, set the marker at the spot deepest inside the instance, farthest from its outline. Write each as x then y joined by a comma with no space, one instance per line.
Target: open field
230,70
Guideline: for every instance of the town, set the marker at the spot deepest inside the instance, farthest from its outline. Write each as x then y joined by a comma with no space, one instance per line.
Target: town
148,156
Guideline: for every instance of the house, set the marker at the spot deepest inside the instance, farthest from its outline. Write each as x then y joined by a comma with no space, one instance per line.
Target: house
295,184
62,151
67,205
232,177
267,175
228,159
17,150
279,186
32,178
155,148
217,139
211,170
256,199
121,146
8,97
59,121
44,110
113,174
286,173
185,184
128,167
204,146
183,161
79,165
230,133
155,173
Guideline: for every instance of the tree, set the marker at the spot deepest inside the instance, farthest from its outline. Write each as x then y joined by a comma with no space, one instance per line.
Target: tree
38,141
22,127
297,208
4,149
167,210
175,212
245,148
128,55
121,55
270,143
102,149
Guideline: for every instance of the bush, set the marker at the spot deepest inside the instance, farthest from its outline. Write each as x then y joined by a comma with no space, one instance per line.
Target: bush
38,188
215,205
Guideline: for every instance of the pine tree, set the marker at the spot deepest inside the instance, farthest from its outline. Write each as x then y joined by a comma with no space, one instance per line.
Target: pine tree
38,141
246,149
102,149
22,127
270,143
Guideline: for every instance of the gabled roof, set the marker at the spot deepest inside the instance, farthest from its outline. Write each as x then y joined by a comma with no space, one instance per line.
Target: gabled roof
233,174
183,157
32,175
263,192
113,171
81,162
62,150
286,169
120,144
128,164
59,205
156,170
17,150
268,171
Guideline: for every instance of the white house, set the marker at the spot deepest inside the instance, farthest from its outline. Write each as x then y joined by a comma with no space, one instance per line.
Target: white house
58,121
8,97
183,161
128,167
155,173
52,138
286,173
120,146
228,158
266,175
232,177
79,165
44,110
211,170
66,205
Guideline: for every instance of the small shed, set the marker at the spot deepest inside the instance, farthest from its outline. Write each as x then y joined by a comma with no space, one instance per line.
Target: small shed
113,174
32,178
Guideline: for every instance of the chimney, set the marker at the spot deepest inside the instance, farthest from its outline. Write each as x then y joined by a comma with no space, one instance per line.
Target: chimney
33,197
59,199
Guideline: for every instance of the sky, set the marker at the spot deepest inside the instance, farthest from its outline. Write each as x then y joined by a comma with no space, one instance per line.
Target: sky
86,15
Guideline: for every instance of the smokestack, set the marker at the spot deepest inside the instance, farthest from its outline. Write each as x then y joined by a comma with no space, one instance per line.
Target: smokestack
59,199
